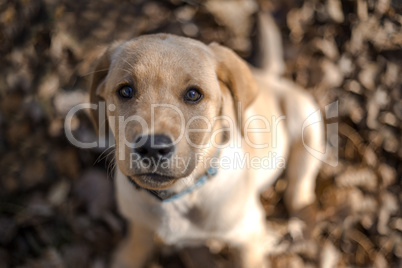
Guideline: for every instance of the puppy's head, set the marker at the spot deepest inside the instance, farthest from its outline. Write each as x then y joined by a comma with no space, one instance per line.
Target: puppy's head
163,97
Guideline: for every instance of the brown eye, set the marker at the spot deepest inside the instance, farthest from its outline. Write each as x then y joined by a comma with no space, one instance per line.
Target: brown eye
193,95
126,92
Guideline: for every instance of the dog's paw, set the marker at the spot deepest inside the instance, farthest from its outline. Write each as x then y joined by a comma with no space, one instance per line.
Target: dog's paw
296,228
303,221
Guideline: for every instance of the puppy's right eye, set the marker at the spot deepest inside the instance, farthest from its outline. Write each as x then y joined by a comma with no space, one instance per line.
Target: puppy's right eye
126,92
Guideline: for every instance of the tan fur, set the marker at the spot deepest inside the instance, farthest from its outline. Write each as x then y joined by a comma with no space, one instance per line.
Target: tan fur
160,68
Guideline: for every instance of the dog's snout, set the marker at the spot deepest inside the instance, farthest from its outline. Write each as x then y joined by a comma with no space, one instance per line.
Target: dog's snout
154,146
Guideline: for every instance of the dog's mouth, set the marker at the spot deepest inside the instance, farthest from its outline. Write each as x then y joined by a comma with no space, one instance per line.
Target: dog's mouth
153,181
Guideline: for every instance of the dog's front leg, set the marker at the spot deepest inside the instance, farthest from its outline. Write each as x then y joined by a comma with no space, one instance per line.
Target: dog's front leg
136,249
255,249
253,255
256,240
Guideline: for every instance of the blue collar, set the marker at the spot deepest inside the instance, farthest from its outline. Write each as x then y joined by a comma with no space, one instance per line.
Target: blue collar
167,196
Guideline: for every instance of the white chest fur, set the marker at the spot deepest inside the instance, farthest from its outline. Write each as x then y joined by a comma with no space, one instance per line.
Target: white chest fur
213,211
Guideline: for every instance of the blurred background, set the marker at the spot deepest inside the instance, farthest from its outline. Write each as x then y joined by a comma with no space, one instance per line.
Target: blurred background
57,206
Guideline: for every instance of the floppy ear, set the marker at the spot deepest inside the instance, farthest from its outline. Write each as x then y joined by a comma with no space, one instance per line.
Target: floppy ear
236,75
97,83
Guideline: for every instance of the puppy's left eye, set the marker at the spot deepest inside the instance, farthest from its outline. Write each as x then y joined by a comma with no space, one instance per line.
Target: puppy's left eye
126,92
193,95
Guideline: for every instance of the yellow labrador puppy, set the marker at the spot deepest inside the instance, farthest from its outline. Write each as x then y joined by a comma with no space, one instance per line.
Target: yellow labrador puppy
199,135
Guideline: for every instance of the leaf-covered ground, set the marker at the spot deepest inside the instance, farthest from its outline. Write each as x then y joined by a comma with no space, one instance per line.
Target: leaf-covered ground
56,201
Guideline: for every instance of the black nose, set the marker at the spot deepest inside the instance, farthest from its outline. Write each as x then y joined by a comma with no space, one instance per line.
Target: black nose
154,146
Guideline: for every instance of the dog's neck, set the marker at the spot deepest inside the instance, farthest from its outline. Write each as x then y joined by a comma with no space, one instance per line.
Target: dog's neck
168,195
